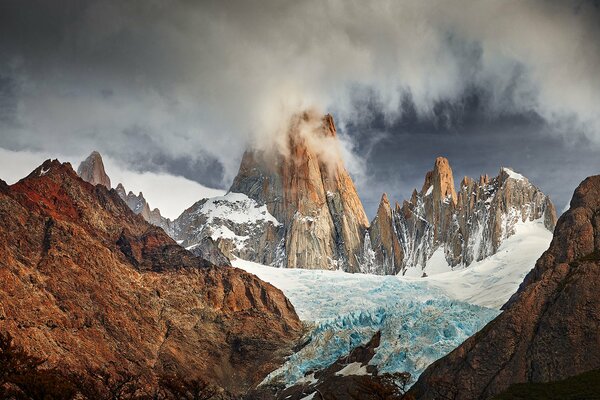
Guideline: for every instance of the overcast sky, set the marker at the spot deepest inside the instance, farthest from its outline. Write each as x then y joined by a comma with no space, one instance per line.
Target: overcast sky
182,88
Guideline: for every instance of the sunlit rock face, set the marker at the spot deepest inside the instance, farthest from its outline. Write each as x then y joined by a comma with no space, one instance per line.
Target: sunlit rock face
306,187
98,291
300,209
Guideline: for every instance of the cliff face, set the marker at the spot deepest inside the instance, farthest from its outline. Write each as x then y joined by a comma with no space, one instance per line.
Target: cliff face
92,170
382,250
313,217
468,226
92,287
308,190
549,329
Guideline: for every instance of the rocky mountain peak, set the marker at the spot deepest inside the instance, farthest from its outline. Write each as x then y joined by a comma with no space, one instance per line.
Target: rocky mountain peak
484,180
441,181
309,191
92,170
469,225
329,125
548,330
384,203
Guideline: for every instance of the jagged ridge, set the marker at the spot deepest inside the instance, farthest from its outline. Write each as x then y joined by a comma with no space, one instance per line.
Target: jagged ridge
323,225
549,329
92,170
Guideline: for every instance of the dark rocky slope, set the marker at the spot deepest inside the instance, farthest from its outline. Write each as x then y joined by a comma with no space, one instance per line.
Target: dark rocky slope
92,288
549,329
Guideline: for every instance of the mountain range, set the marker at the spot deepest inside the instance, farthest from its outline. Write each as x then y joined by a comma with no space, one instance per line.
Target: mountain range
105,298
297,207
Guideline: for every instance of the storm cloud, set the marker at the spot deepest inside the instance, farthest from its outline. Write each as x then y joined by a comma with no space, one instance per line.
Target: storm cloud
184,87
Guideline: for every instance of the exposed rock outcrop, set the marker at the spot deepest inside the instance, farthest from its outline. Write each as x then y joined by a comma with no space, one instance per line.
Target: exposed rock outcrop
349,377
468,226
382,251
209,250
92,170
318,220
549,329
91,287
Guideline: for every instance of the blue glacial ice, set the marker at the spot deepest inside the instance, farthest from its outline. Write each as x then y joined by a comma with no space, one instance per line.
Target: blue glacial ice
419,323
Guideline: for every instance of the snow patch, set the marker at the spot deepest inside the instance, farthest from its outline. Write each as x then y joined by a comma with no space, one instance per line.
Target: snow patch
512,174
223,232
354,368
237,208
491,281
429,191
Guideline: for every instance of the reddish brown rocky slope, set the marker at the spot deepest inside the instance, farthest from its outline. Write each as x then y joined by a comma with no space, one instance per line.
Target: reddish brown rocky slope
89,285
549,329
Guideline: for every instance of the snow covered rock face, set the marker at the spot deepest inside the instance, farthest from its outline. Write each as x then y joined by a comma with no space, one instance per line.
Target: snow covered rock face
238,225
438,225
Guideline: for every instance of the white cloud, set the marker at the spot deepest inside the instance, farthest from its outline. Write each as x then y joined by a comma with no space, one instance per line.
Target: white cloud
170,194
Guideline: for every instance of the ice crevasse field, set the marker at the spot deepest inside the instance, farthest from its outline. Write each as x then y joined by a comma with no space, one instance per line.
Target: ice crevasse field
420,319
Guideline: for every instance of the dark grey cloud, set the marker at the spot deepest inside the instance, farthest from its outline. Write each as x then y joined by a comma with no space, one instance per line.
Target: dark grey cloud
400,152
184,87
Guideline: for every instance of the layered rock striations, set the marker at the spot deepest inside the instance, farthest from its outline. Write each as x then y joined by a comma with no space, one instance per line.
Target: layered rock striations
96,291
548,330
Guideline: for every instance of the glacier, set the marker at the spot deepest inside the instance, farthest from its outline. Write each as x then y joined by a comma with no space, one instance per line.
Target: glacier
418,322
420,319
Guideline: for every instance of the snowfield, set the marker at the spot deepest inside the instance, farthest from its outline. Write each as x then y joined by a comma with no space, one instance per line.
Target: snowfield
491,281
420,319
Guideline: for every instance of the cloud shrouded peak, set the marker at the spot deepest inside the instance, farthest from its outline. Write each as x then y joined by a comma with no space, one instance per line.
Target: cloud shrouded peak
185,87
